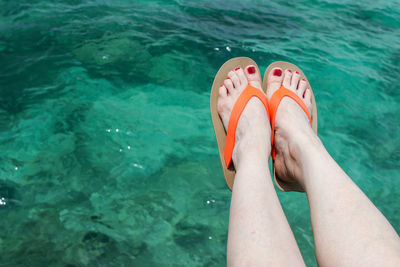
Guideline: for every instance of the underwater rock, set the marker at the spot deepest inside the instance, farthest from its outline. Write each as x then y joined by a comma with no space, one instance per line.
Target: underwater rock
115,56
179,71
189,234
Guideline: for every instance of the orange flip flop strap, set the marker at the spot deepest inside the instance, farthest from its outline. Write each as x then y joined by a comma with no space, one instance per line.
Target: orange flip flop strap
237,110
273,107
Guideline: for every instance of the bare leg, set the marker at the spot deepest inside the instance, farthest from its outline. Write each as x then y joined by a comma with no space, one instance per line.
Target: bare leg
348,229
259,233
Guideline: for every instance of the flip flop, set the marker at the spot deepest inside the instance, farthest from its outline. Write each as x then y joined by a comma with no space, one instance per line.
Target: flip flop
226,140
273,107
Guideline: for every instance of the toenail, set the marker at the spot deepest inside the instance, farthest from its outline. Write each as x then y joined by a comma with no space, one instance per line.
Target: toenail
277,72
289,71
297,72
303,80
251,70
237,68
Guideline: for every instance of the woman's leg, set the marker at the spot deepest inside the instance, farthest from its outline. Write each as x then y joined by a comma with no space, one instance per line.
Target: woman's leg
259,234
348,229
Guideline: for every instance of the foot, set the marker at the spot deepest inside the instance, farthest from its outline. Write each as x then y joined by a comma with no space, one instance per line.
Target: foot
293,134
253,132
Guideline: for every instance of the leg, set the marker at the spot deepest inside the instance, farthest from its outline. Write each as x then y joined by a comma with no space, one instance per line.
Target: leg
348,229
259,233
343,217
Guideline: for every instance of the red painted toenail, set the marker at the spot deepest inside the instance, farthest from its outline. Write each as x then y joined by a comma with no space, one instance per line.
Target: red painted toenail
297,72
237,68
289,71
303,80
251,70
277,72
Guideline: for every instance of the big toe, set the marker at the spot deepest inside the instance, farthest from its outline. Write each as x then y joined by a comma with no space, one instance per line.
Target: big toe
274,81
253,76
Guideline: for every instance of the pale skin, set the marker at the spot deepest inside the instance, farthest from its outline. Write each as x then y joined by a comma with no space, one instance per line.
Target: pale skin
348,229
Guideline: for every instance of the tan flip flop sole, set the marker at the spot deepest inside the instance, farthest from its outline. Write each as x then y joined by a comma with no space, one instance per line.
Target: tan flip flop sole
219,128
282,185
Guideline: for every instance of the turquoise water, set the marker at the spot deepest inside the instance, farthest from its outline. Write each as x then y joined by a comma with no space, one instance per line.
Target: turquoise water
108,156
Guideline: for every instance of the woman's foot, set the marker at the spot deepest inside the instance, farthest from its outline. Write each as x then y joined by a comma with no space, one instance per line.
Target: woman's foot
253,132
293,134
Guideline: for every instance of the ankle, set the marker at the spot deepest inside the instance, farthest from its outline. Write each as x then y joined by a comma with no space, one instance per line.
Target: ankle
308,144
248,151
311,152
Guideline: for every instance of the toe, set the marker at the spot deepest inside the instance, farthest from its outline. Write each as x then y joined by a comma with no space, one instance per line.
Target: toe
222,91
229,85
242,77
295,81
274,81
307,98
302,87
253,76
287,78
234,78
223,110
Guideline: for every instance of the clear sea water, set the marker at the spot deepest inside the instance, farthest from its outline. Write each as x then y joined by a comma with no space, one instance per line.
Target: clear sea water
108,156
